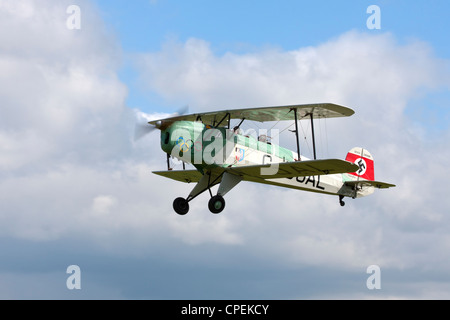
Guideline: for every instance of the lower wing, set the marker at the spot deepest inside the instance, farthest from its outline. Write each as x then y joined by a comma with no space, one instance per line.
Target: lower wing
269,171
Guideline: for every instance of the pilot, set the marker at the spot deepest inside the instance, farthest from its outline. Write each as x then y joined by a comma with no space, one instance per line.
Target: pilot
264,138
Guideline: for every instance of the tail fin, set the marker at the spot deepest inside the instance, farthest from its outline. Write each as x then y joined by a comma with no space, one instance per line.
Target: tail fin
364,160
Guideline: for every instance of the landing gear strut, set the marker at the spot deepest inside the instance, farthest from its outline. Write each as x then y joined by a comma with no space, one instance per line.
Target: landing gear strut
341,201
217,203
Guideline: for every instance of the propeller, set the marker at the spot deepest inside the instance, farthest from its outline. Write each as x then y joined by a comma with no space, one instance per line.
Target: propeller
143,128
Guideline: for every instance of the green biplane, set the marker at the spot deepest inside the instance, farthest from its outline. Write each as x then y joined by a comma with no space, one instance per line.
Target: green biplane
222,155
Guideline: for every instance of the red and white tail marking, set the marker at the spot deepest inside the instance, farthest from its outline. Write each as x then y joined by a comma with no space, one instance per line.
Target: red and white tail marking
364,160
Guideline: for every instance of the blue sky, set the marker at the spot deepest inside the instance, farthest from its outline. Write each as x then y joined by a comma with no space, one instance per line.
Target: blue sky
145,25
251,26
75,188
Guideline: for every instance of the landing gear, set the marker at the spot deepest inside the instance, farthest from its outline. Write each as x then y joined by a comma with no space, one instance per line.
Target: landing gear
181,206
341,201
216,204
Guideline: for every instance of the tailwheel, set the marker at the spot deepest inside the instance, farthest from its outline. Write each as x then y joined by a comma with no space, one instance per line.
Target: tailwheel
181,206
341,201
216,204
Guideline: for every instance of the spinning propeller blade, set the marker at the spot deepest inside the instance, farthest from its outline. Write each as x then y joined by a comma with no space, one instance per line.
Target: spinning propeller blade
143,128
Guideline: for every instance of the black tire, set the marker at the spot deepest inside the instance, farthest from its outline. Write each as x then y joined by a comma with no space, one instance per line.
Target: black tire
181,206
216,204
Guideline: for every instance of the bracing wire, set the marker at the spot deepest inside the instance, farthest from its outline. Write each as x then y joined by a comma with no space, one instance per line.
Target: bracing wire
320,137
326,137
305,137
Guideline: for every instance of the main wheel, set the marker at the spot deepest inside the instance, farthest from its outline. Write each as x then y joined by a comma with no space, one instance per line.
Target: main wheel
216,204
181,206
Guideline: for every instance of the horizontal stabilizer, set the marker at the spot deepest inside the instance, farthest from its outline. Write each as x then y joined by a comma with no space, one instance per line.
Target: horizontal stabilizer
294,169
367,183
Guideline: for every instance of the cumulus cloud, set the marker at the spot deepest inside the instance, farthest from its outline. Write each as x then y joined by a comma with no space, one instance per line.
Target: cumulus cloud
57,88
355,67
65,131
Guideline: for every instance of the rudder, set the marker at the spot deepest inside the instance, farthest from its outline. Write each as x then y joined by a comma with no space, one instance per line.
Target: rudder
364,160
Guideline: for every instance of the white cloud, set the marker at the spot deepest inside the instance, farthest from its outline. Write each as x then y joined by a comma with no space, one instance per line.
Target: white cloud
57,86
102,205
353,68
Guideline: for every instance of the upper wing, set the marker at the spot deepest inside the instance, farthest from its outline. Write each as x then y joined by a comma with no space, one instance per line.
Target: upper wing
294,169
320,110
368,183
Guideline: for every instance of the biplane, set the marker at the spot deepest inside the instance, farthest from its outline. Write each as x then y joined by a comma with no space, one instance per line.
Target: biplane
223,155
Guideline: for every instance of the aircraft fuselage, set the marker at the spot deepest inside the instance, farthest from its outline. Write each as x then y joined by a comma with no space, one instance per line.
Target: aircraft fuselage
206,148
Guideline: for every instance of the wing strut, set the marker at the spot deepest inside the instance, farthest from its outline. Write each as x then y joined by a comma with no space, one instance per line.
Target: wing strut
296,132
227,115
313,138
